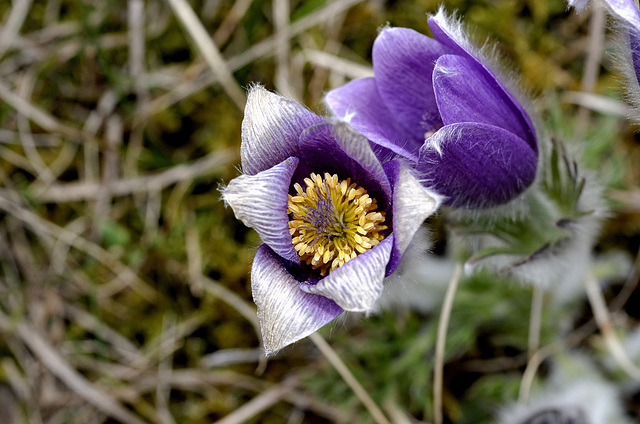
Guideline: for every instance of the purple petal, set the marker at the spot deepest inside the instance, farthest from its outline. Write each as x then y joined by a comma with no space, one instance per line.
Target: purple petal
634,41
450,33
270,129
357,147
360,105
477,165
629,19
403,62
337,149
467,92
260,202
579,5
627,10
412,204
356,285
286,313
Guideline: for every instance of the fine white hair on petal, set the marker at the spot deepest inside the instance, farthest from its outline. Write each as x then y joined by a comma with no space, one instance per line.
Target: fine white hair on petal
518,207
286,313
384,27
348,116
626,22
624,62
260,202
489,57
579,5
412,204
486,53
447,134
356,285
271,127
626,10
453,26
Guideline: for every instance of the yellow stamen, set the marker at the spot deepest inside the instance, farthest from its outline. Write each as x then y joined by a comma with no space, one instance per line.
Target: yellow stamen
332,221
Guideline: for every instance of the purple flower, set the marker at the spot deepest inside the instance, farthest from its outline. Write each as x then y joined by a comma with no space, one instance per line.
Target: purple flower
579,5
628,18
435,103
334,220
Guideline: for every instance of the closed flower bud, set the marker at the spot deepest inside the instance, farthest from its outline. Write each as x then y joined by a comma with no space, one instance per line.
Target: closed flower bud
436,103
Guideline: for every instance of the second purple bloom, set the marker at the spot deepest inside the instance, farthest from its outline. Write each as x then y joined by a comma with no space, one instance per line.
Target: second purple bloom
435,103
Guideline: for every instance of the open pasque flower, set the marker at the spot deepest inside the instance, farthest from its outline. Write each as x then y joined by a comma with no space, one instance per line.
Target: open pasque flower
629,15
334,220
435,103
627,18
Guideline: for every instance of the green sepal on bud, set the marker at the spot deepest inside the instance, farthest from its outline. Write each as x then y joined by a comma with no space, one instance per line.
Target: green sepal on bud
549,221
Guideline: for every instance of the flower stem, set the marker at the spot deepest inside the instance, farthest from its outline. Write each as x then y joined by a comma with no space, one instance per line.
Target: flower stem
349,378
535,354
535,320
443,325
530,372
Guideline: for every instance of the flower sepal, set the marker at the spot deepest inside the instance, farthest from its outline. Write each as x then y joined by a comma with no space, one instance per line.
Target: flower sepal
558,218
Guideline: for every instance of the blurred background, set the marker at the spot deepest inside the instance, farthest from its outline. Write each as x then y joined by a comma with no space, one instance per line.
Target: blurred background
124,282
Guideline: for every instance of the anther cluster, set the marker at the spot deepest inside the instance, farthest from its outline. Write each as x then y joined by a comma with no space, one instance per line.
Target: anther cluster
333,221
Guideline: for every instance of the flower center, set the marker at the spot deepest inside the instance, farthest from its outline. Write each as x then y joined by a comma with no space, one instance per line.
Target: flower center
333,221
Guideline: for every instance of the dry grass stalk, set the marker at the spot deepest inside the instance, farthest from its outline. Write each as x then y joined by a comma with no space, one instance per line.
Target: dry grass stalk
125,276
208,50
334,359
65,372
79,191
260,403
605,324
19,12
257,51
